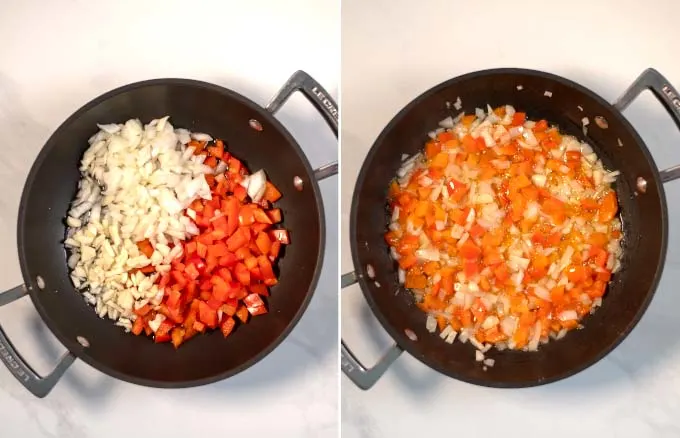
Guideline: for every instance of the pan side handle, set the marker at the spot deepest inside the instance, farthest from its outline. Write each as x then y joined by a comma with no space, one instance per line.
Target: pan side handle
322,101
38,385
361,375
669,97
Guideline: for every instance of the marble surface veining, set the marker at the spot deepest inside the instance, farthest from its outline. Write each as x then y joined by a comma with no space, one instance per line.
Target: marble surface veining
604,45
55,56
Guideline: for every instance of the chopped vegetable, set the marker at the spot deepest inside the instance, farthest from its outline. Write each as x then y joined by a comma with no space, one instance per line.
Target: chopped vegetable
209,257
505,230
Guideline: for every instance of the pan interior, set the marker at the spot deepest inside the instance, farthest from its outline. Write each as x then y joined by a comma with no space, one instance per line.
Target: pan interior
644,217
51,186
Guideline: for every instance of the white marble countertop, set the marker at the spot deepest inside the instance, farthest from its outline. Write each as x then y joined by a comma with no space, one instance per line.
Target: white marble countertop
55,56
394,50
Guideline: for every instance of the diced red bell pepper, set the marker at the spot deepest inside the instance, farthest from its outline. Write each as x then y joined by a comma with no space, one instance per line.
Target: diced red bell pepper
229,308
205,295
231,208
138,326
220,223
211,263
470,267
174,297
208,211
245,215
218,250
228,260
218,234
179,277
142,311
201,249
211,162
234,165
237,291
165,279
256,274
275,215
281,235
251,263
145,248
225,274
190,248
197,206
267,271
214,304
243,253
191,315
242,274
264,243
191,271
199,326
255,305
242,314
220,288
227,326
240,238
259,289
221,294
258,228
271,193
240,193
191,291
207,315
260,216
215,151
178,336
274,251
198,262
163,332
206,239
174,314
469,250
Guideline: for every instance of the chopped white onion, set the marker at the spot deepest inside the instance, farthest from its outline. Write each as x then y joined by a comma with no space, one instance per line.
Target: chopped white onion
257,185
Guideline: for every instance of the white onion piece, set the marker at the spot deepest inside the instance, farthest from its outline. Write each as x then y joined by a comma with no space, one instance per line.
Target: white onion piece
402,276
221,167
567,315
509,325
542,293
428,254
110,128
447,123
535,338
431,324
257,185
199,136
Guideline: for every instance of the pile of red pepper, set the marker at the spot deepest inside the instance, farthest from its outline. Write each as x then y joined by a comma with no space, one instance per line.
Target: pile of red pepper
225,270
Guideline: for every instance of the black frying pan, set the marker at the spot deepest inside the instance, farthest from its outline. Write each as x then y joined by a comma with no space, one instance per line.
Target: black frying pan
640,193
51,185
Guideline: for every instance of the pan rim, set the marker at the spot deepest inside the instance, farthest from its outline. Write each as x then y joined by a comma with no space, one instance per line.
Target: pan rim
400,338
71,344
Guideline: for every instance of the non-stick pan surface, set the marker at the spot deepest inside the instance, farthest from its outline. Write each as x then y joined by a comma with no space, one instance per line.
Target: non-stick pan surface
201,107
644,217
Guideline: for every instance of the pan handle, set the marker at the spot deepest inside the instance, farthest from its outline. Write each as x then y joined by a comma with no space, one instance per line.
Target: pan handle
322,101
39,386
669,97
364,377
